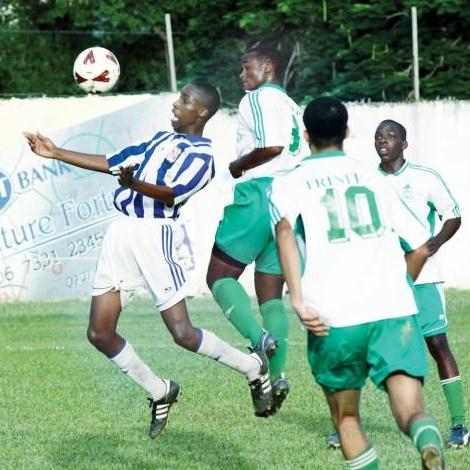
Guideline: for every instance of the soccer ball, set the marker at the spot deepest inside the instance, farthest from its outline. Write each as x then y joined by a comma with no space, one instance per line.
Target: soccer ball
96,70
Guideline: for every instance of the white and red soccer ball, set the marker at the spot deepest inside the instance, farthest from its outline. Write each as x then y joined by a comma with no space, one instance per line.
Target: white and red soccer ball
96,70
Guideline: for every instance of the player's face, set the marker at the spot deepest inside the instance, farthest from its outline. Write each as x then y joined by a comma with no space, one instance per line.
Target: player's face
187,110
388,144
255,72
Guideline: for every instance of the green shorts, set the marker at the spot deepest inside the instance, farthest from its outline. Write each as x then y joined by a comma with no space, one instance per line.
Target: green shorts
347,356
245,232
432,311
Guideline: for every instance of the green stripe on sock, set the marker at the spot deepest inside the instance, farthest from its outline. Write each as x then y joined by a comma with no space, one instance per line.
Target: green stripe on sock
367,460
424,432
236,306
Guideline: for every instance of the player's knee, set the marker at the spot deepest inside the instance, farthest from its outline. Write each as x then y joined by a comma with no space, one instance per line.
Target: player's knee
438,347
347,421
97,338
186,337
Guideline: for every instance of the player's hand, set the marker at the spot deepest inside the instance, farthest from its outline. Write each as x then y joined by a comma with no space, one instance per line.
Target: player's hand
235,171
40,145
310,319
126,175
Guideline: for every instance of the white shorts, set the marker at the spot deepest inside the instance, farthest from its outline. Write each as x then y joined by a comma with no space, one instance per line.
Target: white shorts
141,253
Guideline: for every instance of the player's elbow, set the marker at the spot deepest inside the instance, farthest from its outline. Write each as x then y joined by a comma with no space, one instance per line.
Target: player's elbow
274,151
283,228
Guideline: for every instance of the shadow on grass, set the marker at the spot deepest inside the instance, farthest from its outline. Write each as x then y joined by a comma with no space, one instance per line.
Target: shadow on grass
174,449
317,425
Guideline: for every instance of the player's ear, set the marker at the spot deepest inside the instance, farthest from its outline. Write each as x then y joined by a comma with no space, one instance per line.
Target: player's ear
204,113
306,137
268,68
404,145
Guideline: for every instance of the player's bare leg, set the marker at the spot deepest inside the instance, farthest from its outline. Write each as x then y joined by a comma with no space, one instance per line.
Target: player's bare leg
219,268
104,316
406,401
269,289
206,343
344,409
452,386
177,321
441,353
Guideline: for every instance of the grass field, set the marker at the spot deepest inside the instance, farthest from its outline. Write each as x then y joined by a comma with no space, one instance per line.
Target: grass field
64,406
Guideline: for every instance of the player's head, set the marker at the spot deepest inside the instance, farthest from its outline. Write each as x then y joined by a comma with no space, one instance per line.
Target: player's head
326,122
390,141
261,65
196,104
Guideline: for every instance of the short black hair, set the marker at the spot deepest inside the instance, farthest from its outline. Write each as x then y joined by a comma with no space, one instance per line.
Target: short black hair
269,54
399,127
209,95
326,121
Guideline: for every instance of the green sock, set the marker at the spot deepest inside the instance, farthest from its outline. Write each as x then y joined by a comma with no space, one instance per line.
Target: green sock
236,305
276,321
424,432
453,392
366,461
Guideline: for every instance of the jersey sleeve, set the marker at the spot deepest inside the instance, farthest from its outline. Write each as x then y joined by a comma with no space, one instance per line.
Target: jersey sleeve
195,173
442,199
283,201
132,155
272,122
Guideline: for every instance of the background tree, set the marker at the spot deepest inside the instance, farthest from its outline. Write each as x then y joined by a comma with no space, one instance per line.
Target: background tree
352,50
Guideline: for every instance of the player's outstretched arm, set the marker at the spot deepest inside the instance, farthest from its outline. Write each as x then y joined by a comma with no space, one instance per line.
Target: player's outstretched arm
162,193
289,257
44,147
253,159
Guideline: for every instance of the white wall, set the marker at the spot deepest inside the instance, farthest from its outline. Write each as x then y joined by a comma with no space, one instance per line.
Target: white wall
437,135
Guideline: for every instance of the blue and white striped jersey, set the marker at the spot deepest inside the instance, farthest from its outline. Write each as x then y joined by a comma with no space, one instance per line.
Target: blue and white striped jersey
180,161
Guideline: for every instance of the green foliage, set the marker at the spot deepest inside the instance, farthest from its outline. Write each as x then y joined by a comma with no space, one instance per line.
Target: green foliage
355,50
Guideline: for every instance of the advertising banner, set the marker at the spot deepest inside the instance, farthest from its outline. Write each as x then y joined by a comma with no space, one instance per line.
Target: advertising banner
53,216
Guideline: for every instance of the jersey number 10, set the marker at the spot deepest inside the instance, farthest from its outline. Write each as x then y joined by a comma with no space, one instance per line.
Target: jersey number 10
362,218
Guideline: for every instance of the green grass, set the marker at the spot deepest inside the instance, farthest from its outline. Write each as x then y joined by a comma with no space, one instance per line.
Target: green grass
64,406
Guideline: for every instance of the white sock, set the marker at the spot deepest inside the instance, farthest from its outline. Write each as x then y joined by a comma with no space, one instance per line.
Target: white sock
132,365
212,346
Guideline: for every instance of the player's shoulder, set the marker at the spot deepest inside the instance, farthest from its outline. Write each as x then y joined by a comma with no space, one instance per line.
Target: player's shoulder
418,168
424,173
369,173
352,162
199,145
293,177
160,134
268,91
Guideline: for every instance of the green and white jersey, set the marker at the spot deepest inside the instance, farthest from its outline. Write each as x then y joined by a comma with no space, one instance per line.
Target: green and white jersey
355,231
267,117
426,194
